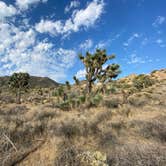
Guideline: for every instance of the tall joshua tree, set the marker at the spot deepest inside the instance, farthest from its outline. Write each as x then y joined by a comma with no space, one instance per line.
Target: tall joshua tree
18,83
95,70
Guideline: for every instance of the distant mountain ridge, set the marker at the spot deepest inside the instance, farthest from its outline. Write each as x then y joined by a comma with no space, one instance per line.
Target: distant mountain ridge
35,82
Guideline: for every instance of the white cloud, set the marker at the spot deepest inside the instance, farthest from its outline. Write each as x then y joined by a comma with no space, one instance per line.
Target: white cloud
129,41
81,74
20,50
159,21
6,11
87,44
73,4
134,59
25,4
49,26
83,18
102,44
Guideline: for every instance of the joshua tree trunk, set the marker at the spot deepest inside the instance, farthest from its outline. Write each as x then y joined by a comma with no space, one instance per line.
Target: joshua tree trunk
18,97
89,86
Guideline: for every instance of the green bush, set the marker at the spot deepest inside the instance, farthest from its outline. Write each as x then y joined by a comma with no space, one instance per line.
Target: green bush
82,98
142,81
65,105
95,100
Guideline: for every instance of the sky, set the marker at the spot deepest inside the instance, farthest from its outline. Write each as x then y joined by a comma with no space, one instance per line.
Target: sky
44,37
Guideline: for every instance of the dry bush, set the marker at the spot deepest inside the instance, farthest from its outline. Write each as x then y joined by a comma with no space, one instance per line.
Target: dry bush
73,156
93,126
6,147
7,99
154,129
68,157
108,139
112,103
70,130
138,155
138,100
44,115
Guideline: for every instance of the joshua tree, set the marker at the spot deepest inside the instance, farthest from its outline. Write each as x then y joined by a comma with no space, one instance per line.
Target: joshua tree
18,83
95,70
68,85
77,82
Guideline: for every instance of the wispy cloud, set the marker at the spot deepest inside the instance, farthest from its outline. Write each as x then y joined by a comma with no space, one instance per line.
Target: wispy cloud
144,41
131,38
73,4
135,59
87,44
160,43
159,21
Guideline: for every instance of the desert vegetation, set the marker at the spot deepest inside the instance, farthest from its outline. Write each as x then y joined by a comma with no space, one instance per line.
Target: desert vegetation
100,121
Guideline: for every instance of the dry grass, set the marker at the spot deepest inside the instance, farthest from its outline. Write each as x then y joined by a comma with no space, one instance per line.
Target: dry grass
130,133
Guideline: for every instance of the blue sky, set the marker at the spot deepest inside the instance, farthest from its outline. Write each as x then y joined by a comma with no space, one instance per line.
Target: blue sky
44,37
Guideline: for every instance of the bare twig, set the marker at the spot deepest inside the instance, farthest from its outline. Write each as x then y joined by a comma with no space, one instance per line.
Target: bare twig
8,139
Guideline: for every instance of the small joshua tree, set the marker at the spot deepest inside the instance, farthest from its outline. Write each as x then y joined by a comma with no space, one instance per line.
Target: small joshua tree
77,82
68,85
18,83
95,70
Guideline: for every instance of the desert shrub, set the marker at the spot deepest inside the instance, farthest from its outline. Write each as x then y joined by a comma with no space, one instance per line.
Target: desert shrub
154,129
40,91
68,157
92,158
112,103
93,128
17,110
94,100
108,139
42,115
118,125
137,155
137,100
125,110
111,89
75,102
54,93
82,98
65,105
70,130
7,99
142,81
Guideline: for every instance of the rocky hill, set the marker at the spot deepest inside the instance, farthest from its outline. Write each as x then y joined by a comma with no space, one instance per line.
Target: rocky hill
35,82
